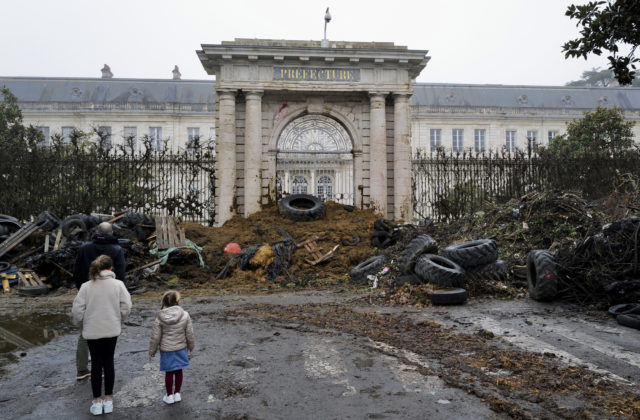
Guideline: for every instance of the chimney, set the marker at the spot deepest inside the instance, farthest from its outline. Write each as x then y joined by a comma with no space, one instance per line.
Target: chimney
106,72
176,73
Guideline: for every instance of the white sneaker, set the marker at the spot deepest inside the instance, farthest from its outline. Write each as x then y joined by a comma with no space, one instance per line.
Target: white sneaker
96,408
168,399
177,397
107,406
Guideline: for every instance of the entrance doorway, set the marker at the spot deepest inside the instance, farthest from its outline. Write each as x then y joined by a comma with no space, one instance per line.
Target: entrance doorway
315,157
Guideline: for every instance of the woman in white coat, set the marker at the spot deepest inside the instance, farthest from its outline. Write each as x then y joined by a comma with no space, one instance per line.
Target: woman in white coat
101,305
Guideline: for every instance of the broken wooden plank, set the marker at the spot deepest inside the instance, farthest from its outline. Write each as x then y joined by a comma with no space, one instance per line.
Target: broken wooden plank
57,243
151,264
17,237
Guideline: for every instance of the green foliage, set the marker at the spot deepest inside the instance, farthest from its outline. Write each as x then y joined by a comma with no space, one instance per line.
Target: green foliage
608,26
603,132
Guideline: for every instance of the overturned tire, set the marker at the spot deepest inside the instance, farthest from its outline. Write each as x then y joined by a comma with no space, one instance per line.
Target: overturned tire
373,265
439,270
542,278
421,244
33,290
301,207
629,320
455,296
625,309
471,254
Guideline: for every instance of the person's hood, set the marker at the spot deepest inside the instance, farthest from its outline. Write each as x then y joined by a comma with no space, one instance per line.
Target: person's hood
171,315
106,274
104,239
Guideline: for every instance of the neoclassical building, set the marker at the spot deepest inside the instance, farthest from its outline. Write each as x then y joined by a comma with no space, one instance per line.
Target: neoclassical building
339,120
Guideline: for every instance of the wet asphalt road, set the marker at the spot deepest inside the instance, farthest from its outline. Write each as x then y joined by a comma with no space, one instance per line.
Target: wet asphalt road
246,368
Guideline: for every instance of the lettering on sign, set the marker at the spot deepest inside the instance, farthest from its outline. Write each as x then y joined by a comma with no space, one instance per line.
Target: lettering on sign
316,74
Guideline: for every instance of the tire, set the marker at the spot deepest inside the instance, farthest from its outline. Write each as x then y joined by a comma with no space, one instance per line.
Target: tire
355,240
33,290
47,221
454,296
4,266
471,254
542,278
70,226
302,207
373,265
421,244
381,239
8,227
349,207
629,320
383,225
439,270
496,271
621,309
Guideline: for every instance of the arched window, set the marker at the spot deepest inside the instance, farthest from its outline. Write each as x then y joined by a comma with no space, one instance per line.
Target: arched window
299,185
325,188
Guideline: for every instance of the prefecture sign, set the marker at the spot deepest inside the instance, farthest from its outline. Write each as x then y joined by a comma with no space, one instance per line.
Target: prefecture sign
316,74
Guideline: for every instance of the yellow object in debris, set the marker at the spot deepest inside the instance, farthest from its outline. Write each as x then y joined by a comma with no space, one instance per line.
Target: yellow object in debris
263,257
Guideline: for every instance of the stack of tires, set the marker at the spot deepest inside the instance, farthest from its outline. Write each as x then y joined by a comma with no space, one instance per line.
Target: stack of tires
448,271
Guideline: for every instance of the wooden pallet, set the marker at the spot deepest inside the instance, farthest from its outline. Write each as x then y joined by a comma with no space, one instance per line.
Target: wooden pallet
168,233
28,278
315,251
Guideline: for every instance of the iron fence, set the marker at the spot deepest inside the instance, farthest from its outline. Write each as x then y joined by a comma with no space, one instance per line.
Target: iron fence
449,186
180,184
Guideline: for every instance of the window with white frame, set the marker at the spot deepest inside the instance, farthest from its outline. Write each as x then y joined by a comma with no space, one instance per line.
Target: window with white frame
552,134
479,142
325,188
532,138
435,138
193,138
457,141
104,136
66,134
510,141
299,185
278,187
155,136
130,138
46,135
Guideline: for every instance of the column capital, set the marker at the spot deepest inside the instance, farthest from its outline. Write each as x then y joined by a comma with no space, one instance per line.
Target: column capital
253,94
376,96
226,93
401,96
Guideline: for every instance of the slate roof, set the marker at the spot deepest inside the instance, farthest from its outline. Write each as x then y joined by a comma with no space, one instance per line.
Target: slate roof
501,96
200,93
114,91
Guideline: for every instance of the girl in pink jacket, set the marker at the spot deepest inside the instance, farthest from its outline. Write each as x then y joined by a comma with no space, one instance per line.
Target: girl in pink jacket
173,334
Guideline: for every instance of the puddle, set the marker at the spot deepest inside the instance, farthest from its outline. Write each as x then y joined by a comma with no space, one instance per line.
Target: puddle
33,330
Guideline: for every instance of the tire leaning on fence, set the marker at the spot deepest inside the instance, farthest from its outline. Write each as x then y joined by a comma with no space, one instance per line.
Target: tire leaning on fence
421,244
439,271
542,278
472,253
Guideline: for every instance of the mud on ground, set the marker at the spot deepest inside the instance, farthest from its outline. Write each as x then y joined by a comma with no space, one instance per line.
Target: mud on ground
339,227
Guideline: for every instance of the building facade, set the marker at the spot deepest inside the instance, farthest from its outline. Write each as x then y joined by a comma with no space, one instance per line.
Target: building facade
340,122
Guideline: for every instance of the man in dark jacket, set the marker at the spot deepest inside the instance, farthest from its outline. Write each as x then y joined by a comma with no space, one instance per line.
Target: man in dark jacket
102,243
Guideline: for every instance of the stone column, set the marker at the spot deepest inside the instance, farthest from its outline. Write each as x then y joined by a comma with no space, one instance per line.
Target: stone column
252,152
401,159
226,156
378,153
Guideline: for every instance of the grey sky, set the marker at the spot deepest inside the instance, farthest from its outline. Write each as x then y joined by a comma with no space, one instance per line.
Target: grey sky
469,41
